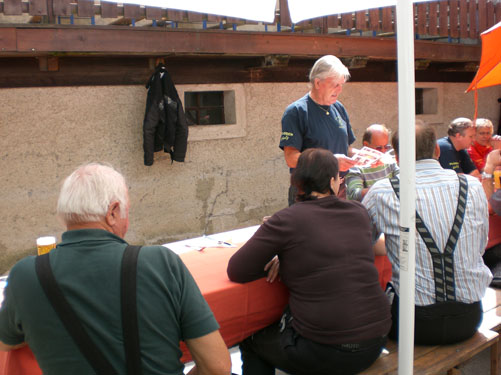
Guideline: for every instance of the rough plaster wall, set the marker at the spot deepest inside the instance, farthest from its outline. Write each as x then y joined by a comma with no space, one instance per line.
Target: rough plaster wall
45,133
378,103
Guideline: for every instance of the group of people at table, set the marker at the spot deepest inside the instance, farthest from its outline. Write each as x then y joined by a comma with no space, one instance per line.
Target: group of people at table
322,247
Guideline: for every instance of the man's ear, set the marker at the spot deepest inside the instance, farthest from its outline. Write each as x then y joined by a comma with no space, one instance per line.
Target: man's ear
113,213
436,154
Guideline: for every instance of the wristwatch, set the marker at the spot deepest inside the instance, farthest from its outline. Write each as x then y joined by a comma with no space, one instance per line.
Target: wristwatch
486,175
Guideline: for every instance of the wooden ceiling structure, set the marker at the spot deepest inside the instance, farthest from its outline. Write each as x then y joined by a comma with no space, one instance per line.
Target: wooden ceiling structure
61,43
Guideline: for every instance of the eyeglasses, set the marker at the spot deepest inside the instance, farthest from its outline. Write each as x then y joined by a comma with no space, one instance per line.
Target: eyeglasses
383,148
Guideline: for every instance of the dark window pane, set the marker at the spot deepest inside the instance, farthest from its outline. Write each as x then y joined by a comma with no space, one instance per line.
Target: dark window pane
191,117
211,116
211,99
204,107
190,99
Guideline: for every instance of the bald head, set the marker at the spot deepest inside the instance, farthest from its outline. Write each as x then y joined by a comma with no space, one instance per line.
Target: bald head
376,136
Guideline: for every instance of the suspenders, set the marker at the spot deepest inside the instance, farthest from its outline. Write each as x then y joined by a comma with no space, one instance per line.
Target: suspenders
74,326
443,264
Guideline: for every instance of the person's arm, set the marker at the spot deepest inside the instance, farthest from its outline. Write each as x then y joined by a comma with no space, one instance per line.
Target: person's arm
5,347
291,155
291,140
250,261
475,173
210,355
355,185
380,246
352,151
493,160
467,164
344,162
495,142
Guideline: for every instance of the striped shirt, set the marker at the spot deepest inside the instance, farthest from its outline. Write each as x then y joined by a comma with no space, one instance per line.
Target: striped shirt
359,178
436,202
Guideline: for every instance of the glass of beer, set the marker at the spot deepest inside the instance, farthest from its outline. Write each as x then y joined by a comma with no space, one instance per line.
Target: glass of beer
497,179
45,244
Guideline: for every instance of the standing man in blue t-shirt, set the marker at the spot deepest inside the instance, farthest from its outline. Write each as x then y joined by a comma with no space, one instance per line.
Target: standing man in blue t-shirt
453,154
318,120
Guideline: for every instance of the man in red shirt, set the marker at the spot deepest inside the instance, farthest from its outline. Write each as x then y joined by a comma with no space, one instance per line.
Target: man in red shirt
484,143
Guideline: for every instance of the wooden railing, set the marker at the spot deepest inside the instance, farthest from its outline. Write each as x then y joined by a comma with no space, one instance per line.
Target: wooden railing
461,19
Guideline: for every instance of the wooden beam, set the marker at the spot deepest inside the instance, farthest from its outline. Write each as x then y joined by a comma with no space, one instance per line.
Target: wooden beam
120,41
95,71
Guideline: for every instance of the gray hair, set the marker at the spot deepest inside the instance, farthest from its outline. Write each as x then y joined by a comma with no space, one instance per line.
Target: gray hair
483,123
87,193
328,66
459,125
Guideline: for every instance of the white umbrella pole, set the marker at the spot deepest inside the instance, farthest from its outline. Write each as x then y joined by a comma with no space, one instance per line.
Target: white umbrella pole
406,128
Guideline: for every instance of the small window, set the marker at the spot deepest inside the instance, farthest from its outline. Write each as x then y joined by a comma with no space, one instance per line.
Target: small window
215,111
205,107
426,101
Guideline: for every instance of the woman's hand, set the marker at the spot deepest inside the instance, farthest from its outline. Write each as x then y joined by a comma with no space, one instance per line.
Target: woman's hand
272,267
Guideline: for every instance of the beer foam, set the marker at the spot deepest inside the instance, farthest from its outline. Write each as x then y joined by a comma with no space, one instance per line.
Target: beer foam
47,240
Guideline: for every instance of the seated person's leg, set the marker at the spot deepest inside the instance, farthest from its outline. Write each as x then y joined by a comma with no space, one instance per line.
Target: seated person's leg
262,351
288,351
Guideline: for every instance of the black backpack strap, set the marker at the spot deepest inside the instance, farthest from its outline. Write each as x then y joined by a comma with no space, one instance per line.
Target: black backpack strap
443,264
129,310
69,318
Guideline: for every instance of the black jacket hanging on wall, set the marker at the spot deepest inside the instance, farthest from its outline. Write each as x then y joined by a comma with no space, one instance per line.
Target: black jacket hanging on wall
164,125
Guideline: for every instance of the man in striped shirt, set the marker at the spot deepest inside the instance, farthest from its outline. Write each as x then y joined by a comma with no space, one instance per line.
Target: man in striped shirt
437,192
360,179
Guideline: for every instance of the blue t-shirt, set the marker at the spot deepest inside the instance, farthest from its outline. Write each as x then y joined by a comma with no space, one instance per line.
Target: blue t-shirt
450,158
305,124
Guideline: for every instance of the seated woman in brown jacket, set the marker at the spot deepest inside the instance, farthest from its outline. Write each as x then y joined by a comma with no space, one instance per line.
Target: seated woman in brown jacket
338,316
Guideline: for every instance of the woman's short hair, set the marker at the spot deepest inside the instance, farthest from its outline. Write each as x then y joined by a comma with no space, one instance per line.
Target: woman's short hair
328,66
87,193
483,123
314,170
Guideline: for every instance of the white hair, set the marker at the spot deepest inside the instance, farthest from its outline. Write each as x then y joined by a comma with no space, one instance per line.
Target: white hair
328,66
483,123
87,193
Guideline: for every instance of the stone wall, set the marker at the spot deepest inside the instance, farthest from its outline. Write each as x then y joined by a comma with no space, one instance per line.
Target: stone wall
225,183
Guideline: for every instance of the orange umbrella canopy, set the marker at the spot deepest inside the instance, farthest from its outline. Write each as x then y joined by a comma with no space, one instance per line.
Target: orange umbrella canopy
489,71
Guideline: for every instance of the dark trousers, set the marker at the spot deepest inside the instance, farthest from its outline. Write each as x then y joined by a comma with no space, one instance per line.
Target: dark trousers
270,348
441,323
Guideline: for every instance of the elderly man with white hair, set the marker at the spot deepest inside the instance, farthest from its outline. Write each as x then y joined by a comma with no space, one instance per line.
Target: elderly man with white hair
118,335
318,119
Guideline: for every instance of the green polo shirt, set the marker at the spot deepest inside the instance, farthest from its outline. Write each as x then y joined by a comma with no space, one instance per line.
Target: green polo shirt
86,265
